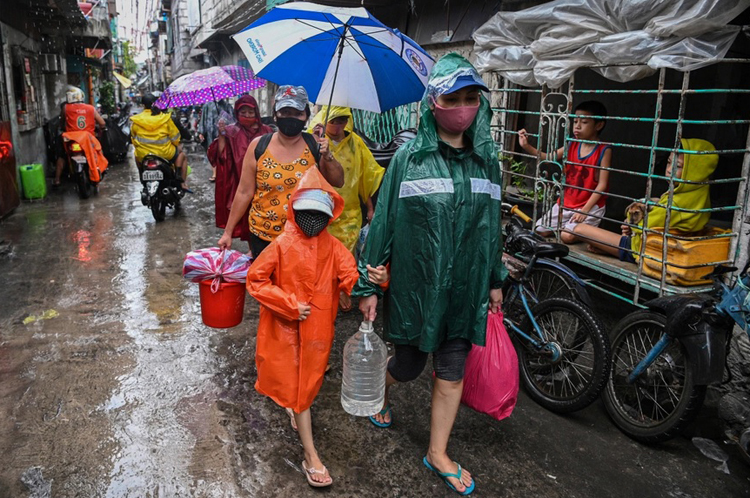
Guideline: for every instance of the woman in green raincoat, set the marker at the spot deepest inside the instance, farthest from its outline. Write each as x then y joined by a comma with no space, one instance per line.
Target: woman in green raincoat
437,224
362,176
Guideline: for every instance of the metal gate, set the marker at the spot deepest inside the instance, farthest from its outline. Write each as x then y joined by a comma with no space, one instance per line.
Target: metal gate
651,116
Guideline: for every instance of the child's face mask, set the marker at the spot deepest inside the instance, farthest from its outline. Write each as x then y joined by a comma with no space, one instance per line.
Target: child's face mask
311,222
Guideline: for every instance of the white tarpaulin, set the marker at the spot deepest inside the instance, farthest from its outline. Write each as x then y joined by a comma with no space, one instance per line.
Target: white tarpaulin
547,43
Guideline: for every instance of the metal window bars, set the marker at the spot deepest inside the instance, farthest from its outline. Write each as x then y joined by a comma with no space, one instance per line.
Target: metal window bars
541,182
381,127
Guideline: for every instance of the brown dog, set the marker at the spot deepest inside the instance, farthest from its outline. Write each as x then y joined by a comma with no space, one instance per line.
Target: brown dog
636,211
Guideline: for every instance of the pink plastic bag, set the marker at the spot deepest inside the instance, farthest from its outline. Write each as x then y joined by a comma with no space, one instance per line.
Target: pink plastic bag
491,376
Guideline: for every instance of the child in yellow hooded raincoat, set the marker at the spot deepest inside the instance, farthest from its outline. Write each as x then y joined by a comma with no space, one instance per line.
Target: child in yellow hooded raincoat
691,196
362,176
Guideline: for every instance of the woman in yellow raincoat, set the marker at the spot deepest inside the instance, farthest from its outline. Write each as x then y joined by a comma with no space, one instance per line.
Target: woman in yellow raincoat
297,280
362,176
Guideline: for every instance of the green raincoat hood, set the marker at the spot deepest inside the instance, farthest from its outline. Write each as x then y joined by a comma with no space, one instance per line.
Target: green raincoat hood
695,168
444,73
438,225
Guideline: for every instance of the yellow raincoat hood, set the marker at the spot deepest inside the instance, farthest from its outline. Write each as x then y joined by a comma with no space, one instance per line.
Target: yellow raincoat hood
154,135
336,112
362,176
695,168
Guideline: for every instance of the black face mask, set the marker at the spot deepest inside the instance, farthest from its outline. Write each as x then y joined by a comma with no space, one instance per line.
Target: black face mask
291,127
311,222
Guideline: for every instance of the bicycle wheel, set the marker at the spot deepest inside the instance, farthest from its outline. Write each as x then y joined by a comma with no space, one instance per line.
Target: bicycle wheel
664,399
569,372
543,283
546,282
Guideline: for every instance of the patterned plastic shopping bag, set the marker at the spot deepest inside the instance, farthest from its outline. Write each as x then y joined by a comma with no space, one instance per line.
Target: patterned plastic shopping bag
216,264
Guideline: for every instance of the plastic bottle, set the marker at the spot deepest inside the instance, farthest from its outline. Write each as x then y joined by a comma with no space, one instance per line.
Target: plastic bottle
363,382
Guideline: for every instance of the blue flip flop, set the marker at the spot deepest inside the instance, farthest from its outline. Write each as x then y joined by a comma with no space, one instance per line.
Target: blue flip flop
385,411
446,475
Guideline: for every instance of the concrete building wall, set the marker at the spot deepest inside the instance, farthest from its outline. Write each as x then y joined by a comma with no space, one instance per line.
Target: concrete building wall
181,61
30,146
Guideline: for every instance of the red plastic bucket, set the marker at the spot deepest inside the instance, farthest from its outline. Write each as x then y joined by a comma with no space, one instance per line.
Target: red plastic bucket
224,308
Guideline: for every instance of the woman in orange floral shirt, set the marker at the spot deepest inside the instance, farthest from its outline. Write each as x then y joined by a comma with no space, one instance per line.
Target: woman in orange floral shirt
270,181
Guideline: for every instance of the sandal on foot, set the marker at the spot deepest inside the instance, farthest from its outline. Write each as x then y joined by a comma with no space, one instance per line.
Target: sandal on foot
309,473
385,411
290,412
445,475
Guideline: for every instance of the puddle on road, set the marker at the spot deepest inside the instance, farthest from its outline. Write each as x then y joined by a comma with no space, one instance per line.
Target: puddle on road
172,359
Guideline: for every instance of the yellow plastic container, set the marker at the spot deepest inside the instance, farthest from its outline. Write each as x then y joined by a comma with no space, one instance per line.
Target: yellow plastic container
686,252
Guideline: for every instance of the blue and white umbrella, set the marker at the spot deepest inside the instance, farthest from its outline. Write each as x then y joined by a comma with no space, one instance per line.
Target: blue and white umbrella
342,56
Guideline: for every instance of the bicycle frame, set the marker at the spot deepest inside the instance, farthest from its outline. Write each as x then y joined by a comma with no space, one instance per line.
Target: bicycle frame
518,290
733,303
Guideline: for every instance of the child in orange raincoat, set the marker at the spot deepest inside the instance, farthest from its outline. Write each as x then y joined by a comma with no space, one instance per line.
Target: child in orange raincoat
297,281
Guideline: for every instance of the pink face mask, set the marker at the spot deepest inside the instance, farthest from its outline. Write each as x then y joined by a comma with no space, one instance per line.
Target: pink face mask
455,119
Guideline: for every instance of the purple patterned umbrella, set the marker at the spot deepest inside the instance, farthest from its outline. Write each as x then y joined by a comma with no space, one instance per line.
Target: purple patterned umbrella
208,85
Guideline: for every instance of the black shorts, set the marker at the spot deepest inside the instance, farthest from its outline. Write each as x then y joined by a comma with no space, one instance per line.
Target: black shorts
257,245
449,361
59,146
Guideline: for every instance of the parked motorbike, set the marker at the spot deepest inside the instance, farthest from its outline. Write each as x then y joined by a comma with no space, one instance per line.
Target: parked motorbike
79,168
115,141
161,185
664,357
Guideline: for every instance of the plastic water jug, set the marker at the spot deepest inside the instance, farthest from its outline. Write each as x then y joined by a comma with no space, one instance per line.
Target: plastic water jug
363,383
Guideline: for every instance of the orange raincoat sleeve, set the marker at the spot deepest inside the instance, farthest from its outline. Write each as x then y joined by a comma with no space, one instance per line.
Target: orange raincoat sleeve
346,268
261,278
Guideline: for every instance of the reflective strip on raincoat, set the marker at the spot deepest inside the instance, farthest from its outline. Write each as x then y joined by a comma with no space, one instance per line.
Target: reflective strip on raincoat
291,356
437,223
156,135
362,176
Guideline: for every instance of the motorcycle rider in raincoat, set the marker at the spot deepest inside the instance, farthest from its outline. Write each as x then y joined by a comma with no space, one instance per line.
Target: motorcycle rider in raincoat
437,223
362,176
78,122
297,280
154,132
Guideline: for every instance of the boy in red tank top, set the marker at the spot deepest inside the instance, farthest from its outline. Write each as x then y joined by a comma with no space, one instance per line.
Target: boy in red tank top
586,173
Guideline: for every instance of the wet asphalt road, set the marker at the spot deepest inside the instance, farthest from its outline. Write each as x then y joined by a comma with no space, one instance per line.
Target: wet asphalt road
110,385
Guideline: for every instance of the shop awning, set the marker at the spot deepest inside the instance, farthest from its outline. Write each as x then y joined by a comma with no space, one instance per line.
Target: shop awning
125,82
